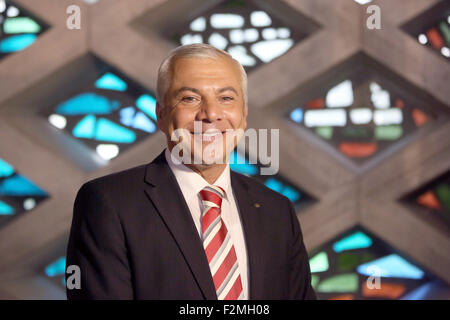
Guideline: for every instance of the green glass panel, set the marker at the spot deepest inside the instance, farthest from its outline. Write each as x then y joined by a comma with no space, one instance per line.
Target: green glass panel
388,132
319,262
340,283
325,132
348,261
445,30
233,4
443,193
356,132
21,25
314,280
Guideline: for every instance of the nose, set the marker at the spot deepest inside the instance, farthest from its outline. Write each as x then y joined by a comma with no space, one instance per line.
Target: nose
210,111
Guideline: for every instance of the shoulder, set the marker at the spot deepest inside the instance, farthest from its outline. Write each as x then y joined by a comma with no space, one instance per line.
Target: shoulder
258,189
118,182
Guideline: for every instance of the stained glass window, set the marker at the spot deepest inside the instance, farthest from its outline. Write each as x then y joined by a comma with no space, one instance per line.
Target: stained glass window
18,29
242,164
360,116
432,29
17,193
434,198
253,36
348,267
109,114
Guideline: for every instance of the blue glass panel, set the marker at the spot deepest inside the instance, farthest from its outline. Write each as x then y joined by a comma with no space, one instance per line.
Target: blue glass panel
86,103
138,121
5,169
16,43
112,132
56,268
110,81
291,193
141,121
20,186
274,184
240,165
391,266
421,293
147,104
356,240
297,115
127,116
5,209
85,128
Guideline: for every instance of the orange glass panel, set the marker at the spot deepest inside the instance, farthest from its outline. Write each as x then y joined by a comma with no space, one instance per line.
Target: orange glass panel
358,150
386,290
399,103
429,200
316,104
343,297
435,38
419,117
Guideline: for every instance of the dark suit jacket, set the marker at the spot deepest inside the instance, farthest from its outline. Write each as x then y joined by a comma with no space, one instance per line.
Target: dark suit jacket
133,237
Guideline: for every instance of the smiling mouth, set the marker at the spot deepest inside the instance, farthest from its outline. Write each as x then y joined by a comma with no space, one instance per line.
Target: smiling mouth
207,136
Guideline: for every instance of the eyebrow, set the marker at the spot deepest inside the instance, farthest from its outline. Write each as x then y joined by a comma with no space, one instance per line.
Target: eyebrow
228,89
198,91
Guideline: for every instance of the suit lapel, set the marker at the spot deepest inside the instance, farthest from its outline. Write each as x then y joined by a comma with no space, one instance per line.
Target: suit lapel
251,223
164,192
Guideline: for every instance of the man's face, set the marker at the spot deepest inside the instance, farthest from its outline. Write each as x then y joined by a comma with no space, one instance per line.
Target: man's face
208,91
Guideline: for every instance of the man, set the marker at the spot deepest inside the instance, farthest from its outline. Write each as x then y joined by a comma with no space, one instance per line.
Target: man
191,230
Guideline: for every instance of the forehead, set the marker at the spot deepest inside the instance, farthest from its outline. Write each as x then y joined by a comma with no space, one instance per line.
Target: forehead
205,71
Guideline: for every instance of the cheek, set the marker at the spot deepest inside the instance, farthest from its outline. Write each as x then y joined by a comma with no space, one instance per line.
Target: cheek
236,118
181,118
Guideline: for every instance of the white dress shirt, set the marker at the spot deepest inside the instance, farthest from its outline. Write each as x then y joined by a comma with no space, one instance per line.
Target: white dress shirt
191,183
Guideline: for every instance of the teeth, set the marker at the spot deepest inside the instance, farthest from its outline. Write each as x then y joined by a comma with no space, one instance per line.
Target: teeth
207,136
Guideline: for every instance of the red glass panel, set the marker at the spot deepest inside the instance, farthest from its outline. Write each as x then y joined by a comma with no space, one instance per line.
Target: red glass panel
429,200
358,150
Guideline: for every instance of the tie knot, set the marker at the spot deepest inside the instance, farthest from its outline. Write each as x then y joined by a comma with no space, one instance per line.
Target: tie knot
212,196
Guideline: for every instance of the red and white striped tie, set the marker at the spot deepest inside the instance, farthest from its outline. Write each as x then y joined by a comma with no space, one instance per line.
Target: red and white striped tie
218,246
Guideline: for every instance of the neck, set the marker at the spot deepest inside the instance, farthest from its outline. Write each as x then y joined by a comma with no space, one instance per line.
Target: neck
208,172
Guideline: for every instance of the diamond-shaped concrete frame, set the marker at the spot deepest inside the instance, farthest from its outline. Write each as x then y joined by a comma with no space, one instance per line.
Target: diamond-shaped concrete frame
346,197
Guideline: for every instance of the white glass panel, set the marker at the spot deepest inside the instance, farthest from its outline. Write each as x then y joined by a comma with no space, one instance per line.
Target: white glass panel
325,117
340,95
240,54
226,20
361,116
218,41
260,19
388,116
198,24
269,50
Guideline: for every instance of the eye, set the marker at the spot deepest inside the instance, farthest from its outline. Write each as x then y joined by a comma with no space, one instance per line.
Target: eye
227,98
189,99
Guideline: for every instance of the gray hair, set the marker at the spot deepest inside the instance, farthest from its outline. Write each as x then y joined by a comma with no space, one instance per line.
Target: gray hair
196,50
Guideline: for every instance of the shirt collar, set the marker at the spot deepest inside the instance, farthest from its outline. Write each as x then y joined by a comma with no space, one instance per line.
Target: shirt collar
191,183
